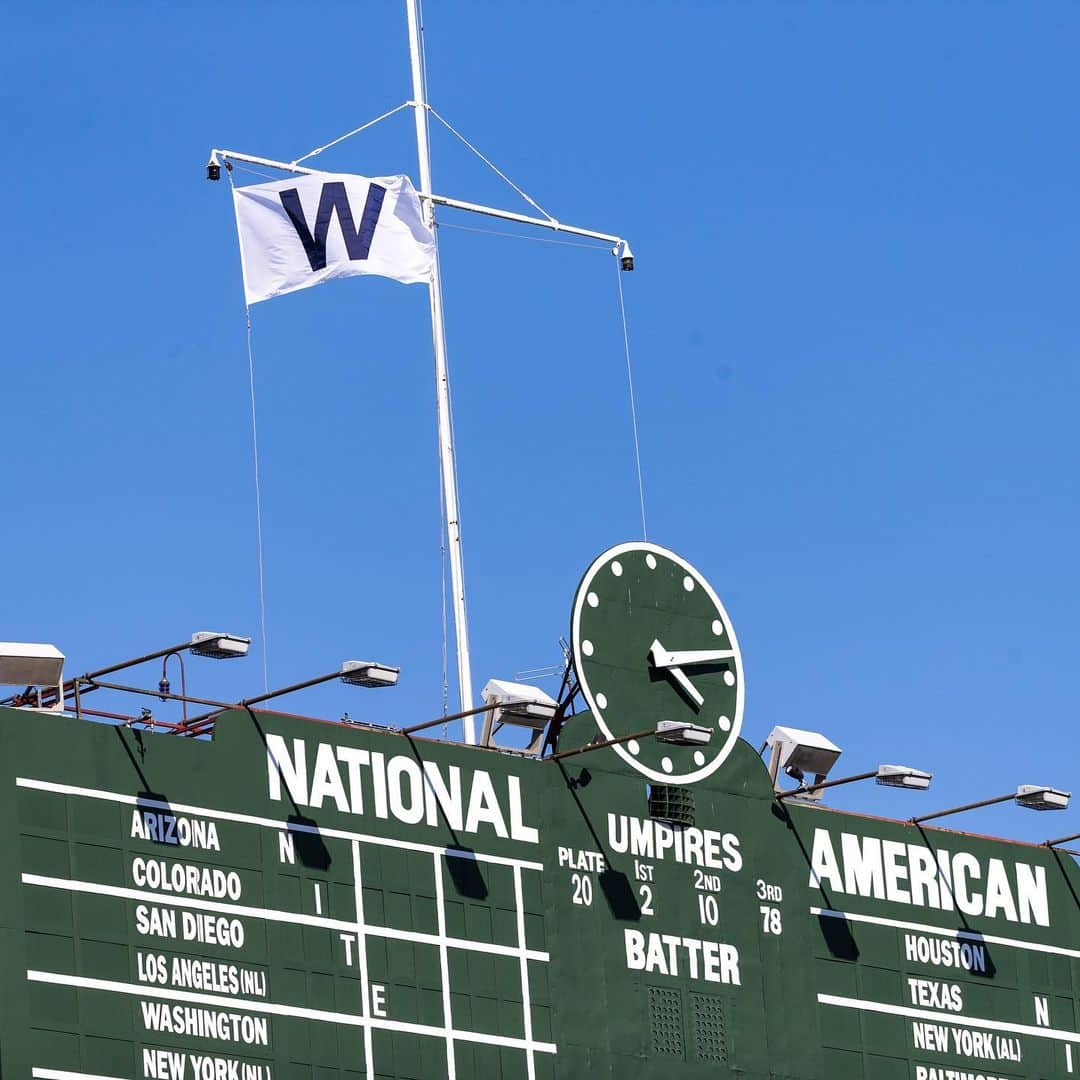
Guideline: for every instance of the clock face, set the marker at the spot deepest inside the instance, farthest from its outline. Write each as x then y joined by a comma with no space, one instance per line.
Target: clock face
652,642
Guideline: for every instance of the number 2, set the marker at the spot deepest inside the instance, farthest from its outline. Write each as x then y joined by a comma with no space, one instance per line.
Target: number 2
646,900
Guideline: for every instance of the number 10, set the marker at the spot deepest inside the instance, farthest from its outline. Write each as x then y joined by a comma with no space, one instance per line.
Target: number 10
708,909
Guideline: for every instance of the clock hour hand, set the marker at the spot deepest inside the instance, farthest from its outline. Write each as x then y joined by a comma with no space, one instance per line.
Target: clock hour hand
658,655
662,658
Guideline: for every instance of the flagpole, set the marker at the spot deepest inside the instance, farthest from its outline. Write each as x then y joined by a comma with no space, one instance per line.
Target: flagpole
429,200
442,386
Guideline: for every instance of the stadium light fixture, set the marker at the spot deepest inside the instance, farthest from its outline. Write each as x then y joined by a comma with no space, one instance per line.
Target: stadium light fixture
204,643
219,646
354,672
682,733
1029,796
368,673
903,776
518,704
33,664
898,776
1033,797
25,663
674,732
800,753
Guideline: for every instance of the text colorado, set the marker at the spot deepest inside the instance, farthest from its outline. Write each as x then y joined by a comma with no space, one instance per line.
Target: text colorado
185,878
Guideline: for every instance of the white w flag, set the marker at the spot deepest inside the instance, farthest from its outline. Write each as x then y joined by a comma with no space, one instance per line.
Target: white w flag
296,233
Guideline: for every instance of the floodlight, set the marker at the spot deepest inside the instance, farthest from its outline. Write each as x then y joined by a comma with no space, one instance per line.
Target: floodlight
899,776
800,753
682,733
368,673
903,776
626,256
1029,796
213,168
219,646
28,664
519,704
1034,797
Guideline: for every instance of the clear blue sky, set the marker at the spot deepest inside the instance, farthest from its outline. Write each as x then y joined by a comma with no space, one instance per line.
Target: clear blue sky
854,324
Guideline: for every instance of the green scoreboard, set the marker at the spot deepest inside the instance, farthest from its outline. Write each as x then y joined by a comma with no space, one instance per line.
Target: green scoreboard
292,899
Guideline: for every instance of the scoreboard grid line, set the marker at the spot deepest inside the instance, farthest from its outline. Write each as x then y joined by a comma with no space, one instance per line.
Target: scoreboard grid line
122,892
957,1019
362,959
972,936
269,823
362,929
444,969
271,1008
526,1003
67,1074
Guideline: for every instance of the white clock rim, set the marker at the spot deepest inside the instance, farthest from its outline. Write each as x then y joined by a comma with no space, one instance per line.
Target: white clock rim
732,736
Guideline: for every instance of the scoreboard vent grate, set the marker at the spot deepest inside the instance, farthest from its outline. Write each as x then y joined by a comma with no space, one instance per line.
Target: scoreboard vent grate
710,1034
665,1015
672,804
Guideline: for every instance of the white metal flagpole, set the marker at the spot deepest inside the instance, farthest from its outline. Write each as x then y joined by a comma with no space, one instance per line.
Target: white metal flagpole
442,387
429,200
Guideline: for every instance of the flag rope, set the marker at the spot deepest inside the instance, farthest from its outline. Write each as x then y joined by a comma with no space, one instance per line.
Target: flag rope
258,508
489,163
355,131
255,172
633,407
525,236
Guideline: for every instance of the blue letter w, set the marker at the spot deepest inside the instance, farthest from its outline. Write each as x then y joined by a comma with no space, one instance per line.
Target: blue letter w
333,197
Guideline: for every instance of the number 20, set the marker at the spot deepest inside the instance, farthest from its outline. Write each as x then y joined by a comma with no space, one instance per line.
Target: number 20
582,893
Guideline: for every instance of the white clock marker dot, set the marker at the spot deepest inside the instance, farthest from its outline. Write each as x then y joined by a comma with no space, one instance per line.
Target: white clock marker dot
593,599
688,583
601,701
729,678
587,648
717,626
699,758
666,765
616,568
650,561
634,747
724,724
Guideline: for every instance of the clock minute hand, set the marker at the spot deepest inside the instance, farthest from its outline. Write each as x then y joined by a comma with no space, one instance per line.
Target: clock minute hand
662,658
657,654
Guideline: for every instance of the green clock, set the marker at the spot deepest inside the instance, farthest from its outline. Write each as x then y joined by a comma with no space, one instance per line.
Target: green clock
652,642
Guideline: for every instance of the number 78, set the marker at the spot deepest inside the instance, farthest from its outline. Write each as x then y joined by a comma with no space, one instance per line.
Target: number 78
771,923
